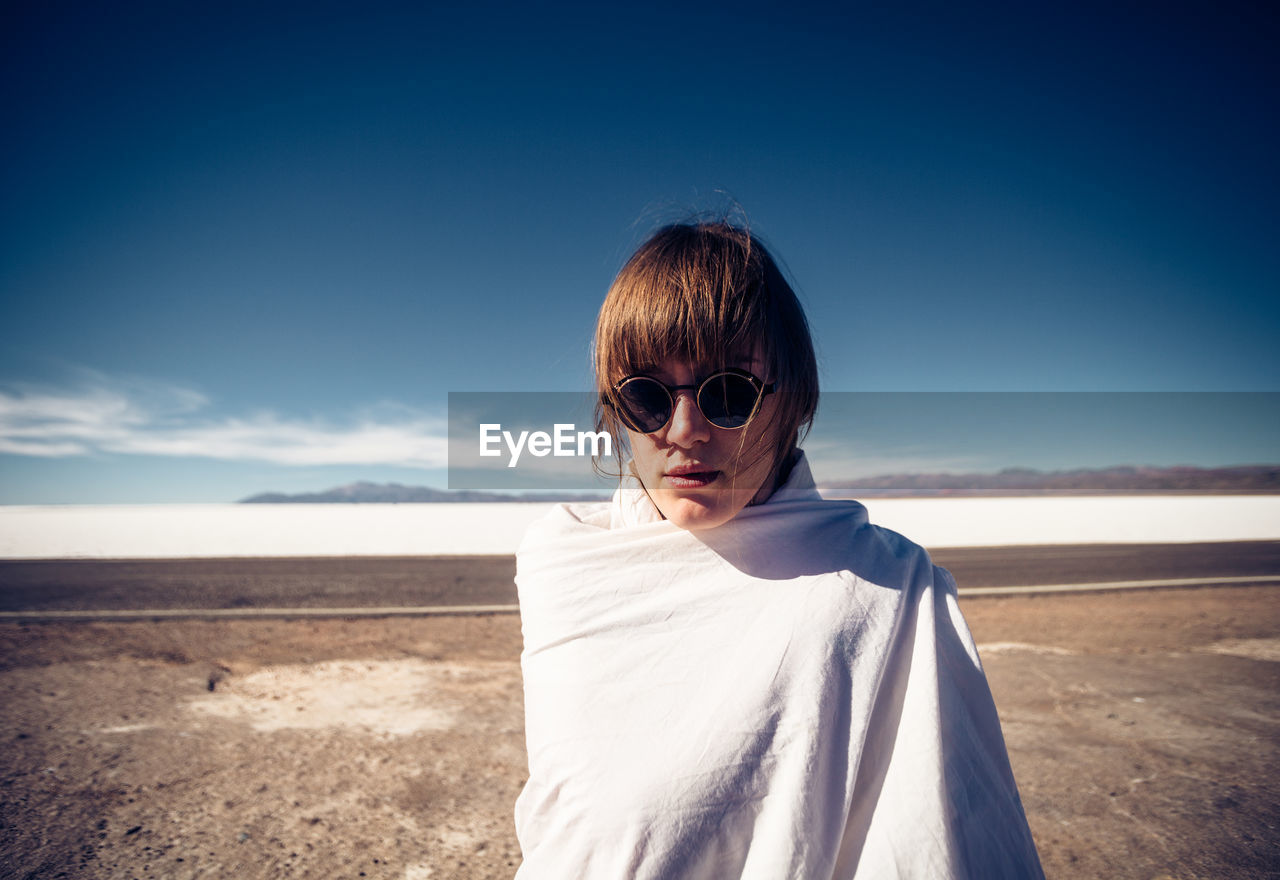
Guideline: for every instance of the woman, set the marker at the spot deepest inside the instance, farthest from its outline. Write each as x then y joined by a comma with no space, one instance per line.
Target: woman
726,675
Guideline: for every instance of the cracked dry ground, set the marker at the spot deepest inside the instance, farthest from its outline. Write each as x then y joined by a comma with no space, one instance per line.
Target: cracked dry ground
1143,728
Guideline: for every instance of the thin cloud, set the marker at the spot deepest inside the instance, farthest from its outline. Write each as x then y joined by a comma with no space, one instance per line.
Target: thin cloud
162,420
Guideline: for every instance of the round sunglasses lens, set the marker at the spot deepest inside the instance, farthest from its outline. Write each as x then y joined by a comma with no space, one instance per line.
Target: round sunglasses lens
646,404
728,400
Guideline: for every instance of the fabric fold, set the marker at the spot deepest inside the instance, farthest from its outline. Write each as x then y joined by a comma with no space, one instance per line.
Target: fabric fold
791,694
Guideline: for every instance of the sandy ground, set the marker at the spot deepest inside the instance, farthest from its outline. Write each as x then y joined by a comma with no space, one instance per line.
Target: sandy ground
1143,729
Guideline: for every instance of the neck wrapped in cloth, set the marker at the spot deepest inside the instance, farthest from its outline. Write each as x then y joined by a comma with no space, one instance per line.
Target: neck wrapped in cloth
791,695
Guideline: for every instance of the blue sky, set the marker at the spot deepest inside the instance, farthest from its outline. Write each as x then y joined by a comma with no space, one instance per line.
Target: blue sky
250,249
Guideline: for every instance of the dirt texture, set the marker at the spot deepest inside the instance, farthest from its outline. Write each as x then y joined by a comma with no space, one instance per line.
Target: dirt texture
1143,730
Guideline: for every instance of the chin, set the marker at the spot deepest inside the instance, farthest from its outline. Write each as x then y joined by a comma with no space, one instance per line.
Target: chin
693,512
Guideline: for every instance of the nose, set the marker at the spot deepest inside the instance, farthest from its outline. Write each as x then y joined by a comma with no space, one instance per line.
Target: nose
687,425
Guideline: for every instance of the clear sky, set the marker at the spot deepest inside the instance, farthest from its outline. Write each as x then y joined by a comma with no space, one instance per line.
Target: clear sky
251,248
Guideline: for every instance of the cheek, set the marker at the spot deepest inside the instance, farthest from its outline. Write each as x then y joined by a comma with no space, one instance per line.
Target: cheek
760,447
643,449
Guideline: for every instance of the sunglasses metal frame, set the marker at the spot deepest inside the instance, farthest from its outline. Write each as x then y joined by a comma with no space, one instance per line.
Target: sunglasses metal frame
762,390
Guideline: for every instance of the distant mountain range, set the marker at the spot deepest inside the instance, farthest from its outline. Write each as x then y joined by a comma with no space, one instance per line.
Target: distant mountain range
1245,480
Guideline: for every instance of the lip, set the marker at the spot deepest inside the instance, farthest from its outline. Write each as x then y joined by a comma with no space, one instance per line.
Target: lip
681,469
691,476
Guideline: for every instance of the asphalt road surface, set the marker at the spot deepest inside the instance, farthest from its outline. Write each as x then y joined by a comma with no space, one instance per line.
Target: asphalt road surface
390,582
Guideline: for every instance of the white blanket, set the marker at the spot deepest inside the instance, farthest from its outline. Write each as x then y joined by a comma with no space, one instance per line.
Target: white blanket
791,695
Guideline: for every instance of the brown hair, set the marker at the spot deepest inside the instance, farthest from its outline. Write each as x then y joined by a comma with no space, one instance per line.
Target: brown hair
708,294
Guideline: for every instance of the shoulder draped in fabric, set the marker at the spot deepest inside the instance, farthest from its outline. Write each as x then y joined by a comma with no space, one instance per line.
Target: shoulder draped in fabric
791,694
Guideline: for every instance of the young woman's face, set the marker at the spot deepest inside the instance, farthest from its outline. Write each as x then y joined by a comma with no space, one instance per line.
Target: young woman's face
698,475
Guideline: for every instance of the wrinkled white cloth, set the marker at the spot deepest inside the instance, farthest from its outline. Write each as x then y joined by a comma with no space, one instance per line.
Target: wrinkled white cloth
793,694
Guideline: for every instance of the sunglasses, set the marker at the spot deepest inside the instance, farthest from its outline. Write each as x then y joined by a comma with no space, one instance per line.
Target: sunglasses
728,400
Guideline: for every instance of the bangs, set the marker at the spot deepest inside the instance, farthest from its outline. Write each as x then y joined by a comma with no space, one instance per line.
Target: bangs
662,326
697,305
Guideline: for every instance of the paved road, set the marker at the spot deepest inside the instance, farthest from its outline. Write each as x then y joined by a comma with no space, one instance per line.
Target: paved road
355,582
